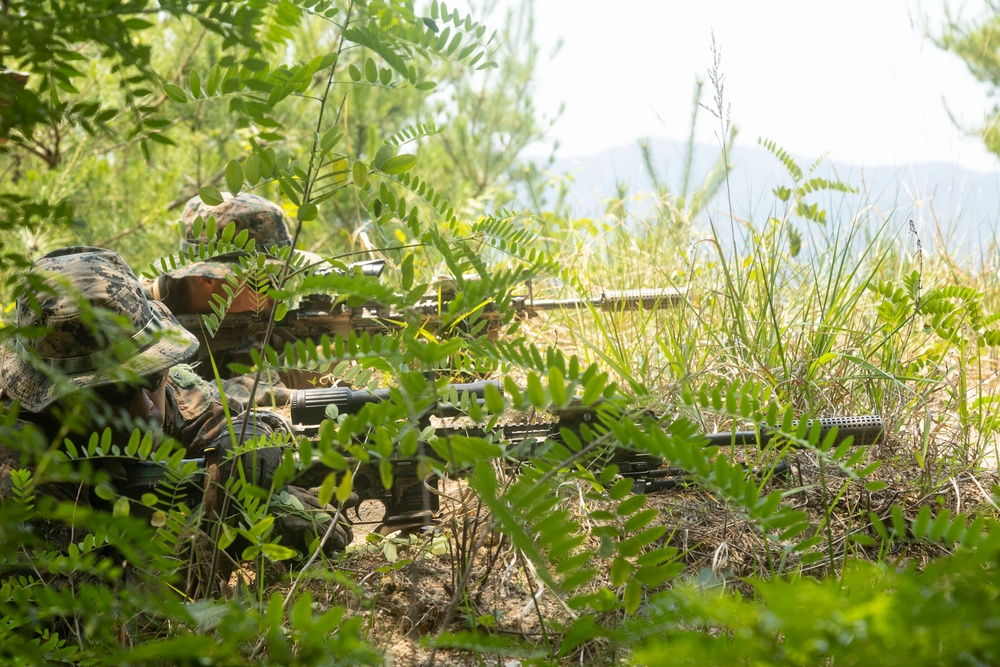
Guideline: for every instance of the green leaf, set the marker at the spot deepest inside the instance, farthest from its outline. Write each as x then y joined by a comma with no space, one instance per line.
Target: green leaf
260,528
359,172
535,391
409,443
371,71
346,486
898,521
557,386
354,72
227,235
121,507
194,79
307,212
657,575
633,545
277,552
878,526
620,571
494,399
384,152
136,24
227,537
633,596
104,491
252,169
399,164
210,195
326,489
594,388
641,520
631,505
214,79
406,270
941,523
330,138
579,578
175,93
622,488
234,177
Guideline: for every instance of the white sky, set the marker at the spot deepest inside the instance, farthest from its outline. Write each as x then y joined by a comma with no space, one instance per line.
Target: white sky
855,78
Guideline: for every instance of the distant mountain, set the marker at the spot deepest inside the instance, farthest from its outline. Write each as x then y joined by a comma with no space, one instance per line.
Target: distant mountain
947,204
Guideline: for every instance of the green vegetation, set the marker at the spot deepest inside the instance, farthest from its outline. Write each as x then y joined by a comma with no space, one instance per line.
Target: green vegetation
392,131
974,40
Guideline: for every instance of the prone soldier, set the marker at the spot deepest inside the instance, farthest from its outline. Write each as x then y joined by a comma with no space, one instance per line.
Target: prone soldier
84,324
192,288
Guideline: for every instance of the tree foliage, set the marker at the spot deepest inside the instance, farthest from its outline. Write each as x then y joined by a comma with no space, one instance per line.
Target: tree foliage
975,40
98,153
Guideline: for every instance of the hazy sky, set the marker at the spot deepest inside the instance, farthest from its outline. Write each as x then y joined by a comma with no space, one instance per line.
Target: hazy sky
855,78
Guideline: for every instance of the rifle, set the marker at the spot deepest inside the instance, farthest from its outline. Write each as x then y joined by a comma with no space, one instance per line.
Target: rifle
320,314
412,500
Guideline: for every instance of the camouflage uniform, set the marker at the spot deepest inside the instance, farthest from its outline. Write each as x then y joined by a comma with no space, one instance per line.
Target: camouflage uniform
264,222
193,417
39,371
272,391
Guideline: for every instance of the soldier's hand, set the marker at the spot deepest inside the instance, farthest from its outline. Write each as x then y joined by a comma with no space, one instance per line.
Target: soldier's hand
301,520
258,465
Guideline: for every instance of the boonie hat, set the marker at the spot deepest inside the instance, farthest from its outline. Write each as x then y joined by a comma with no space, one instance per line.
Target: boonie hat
72,352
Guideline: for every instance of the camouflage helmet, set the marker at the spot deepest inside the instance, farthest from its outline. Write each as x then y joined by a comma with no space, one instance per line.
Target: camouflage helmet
263,220
72,352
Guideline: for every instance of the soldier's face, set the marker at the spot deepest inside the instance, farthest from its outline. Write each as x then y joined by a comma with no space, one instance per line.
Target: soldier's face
202,290
149,404
145,401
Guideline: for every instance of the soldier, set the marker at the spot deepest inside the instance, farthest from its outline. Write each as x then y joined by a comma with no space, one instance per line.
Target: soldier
192,288
73,304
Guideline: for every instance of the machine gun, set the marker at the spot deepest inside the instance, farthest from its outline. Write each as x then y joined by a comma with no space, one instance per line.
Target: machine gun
412,499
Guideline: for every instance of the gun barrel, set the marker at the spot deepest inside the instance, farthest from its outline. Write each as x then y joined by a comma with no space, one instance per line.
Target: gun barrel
866,430
308,406
647,299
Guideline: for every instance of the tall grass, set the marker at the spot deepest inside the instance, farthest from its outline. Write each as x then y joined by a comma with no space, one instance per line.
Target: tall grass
855,315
